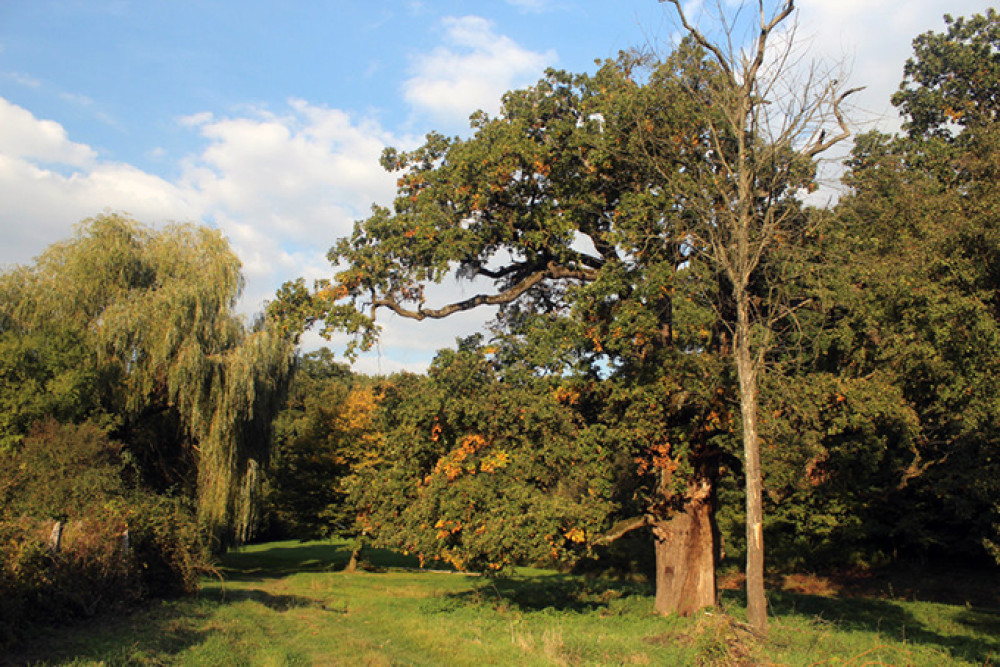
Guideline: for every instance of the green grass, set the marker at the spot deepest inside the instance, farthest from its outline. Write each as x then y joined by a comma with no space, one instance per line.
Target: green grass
291,604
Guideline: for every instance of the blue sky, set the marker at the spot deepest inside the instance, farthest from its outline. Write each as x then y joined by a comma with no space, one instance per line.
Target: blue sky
266,119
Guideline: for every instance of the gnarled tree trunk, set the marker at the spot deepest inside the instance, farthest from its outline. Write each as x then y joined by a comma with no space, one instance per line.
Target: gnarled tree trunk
686,550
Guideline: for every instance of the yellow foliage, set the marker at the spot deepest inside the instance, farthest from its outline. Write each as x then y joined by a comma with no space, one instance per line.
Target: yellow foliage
495,461
355,423
447,527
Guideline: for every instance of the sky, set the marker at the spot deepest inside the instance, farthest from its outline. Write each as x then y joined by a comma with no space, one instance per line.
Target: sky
266,119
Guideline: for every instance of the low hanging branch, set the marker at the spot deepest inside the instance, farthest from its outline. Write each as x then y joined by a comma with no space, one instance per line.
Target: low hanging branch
551,272
624,527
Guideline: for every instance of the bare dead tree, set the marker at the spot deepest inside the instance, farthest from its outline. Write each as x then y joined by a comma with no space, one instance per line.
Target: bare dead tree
771,120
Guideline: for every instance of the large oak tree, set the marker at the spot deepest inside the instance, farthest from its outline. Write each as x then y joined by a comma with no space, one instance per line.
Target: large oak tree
634,201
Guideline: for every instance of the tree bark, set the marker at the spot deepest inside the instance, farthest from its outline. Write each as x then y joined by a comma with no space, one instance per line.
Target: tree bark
746,370
686,549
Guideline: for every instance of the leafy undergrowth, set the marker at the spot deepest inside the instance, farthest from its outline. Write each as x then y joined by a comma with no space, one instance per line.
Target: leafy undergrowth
291,604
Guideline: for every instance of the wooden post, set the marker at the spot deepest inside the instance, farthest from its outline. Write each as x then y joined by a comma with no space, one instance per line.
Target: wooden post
55,537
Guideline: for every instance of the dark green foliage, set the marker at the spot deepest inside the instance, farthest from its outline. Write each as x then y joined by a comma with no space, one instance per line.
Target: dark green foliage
928,319
834,448
484,472
42,375
951,83
325,432
894,401
61,472
136,403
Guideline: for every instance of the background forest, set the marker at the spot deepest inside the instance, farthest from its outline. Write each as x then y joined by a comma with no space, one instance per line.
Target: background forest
597,425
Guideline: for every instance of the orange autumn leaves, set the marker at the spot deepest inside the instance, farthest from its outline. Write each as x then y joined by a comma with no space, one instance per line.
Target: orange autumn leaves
461,459
659,456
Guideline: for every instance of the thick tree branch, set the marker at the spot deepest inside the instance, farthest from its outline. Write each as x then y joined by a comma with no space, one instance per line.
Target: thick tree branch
502,272
624,527
727,62
750,75
918,468
701,39
550,272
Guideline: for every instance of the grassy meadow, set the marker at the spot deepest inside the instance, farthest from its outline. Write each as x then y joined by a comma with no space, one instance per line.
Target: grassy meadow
291,603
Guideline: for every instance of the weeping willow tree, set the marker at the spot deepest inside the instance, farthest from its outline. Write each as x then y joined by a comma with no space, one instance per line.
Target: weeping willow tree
180,379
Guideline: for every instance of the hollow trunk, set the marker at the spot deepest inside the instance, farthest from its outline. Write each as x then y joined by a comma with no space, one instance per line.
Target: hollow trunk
686,549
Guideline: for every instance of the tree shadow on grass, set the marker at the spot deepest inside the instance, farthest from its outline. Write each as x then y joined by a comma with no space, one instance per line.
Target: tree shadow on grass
279,603
146,635
285,559
282,560
555,592
168,628
891,620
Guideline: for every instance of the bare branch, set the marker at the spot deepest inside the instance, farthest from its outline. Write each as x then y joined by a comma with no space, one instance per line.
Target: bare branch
702,40
918,468
820,145
766,27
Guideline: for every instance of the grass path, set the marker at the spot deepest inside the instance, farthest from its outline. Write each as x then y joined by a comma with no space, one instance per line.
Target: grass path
291,604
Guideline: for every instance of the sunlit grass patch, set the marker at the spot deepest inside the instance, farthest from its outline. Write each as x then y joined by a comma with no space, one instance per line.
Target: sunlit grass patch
292,604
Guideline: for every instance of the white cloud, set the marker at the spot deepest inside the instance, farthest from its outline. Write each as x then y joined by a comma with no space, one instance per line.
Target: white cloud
874,40
304,164
284,187
41,206
196,119
472,72
77,99
281,187
24,136
48,183
22,79
376,363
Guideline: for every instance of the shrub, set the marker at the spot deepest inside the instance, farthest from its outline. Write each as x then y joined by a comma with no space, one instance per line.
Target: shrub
118,546
166,546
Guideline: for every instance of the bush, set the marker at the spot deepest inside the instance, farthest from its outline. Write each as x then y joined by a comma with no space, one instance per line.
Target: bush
118,545
167,546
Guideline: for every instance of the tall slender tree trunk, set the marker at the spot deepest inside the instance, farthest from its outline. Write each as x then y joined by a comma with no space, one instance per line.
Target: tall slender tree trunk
746,371
686,549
